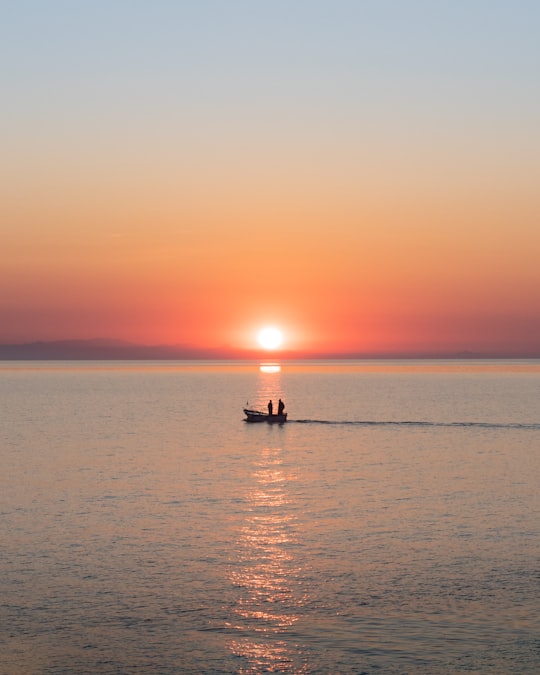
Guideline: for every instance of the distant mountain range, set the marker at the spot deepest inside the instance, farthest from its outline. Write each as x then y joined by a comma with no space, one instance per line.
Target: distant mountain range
102,349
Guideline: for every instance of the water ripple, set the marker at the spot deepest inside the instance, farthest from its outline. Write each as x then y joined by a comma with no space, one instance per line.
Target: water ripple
419,423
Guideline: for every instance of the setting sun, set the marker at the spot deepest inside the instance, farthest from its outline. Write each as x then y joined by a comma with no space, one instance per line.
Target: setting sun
270,337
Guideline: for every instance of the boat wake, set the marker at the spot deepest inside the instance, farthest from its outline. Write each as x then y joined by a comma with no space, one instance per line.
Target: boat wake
367,423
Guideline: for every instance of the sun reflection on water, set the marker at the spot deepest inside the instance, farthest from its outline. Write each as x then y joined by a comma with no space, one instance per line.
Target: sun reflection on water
267,575
269,386
270,368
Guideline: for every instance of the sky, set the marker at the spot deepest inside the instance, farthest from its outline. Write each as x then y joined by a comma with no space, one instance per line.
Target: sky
363,174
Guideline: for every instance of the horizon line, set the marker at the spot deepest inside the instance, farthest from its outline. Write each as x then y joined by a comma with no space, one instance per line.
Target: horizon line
76,349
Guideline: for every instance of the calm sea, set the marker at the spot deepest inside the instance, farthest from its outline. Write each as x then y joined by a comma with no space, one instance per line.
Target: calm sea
391,526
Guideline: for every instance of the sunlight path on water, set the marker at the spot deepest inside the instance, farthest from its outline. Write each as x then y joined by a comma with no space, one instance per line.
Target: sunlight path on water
265,573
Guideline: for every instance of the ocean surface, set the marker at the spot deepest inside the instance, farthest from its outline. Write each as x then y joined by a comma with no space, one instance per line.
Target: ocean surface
391,526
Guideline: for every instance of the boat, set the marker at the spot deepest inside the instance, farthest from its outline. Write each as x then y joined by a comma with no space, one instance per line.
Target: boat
258,416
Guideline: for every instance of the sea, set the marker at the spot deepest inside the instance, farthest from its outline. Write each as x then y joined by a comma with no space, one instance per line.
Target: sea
391,526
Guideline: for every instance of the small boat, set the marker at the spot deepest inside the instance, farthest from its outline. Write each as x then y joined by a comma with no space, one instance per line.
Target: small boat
258,416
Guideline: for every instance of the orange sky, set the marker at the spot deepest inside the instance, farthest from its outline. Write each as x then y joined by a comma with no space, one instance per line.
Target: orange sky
357,203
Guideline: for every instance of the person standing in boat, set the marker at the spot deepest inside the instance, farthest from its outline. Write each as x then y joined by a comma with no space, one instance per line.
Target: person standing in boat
281,407
270,407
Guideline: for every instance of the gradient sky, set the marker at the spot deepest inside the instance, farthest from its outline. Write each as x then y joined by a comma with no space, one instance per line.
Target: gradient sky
362,173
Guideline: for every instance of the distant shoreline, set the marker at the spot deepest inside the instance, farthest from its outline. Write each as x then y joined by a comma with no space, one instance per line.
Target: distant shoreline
114,350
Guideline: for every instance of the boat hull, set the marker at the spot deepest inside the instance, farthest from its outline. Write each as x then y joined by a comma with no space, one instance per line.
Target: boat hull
255,416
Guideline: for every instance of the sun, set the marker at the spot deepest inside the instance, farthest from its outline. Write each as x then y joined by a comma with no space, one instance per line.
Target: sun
270,337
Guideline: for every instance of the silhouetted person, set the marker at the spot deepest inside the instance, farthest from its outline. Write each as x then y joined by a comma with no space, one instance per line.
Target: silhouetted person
270,407
281,407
